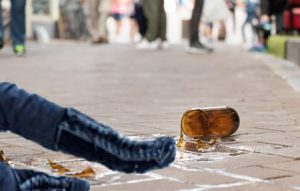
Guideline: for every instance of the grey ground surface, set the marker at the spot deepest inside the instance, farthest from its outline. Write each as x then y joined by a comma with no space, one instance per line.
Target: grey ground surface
143,94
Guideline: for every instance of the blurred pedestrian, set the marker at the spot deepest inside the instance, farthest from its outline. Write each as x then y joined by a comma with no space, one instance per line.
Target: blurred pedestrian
139,22
99,11
269,8
232,5
275,8
17,26
120,9
251,7
195,46
155,36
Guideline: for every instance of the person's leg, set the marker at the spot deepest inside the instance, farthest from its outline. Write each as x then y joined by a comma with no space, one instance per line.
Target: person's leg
18,25
118,19
196,16
133,28
70,131
141,19
104,11
195,46
93,19
1,28
29,115
8,179
243,29
100,143
162,20
102,32
25,180
151,13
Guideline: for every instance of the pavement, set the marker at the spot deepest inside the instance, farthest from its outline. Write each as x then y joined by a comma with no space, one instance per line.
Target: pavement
145,93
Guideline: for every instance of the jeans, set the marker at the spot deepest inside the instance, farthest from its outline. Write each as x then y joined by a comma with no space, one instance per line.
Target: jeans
68,130
17,24
34,118
29,115
28,180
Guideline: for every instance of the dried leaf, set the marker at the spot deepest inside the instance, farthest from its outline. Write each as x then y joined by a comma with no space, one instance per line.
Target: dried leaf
87,173
57,167
3,158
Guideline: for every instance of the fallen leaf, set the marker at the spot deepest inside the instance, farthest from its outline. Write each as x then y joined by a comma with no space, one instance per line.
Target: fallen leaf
57,167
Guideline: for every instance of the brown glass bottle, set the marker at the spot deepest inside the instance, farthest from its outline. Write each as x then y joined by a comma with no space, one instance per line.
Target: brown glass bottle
210,122
201,127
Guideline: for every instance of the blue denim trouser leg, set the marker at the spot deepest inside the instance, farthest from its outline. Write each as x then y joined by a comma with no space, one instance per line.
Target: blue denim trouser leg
29,115
8,179
28,180
70,131
18,21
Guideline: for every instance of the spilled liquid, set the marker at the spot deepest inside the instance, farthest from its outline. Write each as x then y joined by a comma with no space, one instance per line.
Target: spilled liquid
195,144
207,148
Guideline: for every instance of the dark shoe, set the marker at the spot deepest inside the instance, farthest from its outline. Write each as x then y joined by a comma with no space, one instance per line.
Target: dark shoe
82,136
19,50
101,40
25,180
1,43
199,48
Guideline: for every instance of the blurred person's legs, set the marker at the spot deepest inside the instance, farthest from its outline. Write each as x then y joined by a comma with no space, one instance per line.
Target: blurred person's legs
93,19
97,20
195,46
1,28
151,9
25,180
231,5
156,25
222,31
269,8
141,19
104,13
70,131
162,25
263,32
118,17
133,28
247,21
18,26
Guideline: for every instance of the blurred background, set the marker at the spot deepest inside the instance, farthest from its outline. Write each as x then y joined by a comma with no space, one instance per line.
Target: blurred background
258,25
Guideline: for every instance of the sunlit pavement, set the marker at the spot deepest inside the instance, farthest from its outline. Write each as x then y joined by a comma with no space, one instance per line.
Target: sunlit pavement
144,93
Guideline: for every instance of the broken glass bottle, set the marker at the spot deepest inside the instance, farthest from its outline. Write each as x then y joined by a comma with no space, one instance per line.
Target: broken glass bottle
202,127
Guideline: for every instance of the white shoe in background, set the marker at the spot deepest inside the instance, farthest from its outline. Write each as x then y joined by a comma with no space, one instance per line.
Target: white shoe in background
146,45
164,45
